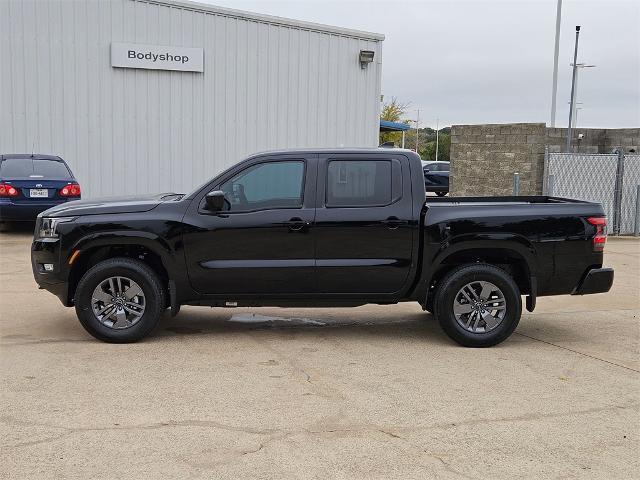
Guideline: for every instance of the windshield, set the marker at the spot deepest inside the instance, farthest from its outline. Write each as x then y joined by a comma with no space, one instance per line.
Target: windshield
34,168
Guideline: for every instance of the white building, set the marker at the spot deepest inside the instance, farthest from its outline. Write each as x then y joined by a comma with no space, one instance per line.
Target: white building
204,87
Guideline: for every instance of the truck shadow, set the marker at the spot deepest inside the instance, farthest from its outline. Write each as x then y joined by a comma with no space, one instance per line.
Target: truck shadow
416,325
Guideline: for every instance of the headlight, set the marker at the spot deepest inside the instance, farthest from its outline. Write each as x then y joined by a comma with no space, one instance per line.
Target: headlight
48,226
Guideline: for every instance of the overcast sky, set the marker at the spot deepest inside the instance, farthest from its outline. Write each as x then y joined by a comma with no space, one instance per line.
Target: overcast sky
491,61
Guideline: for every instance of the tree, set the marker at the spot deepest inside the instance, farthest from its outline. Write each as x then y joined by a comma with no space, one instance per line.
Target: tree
428,149
393,111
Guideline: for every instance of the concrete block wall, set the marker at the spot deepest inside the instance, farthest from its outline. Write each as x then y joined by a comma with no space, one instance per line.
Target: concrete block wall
595,140
485,157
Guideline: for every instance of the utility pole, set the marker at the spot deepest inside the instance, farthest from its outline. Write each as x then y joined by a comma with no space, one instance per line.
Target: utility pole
556,51
417,127
437,136
573,88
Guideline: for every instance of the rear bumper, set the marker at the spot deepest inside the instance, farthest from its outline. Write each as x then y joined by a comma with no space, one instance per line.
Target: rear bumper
25,210
596,280
430,187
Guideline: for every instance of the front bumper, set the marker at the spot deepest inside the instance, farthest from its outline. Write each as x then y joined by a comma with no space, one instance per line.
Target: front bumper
47,251
595,280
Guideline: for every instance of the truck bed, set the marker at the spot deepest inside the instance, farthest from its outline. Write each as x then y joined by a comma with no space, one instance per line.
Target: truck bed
511,200
553,234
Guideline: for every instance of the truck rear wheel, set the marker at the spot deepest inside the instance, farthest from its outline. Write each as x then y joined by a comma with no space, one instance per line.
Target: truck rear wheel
478,305
119,300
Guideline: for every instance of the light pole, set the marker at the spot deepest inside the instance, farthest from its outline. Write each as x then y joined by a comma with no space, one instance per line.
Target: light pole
554,91
575,115
573,88
576,109
575,101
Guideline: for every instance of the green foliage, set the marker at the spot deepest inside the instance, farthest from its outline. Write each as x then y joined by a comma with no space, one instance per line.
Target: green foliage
427,150
427,143
394,111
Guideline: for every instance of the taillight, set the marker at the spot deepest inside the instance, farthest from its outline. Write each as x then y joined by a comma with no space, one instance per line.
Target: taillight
71,190
7,190
600,238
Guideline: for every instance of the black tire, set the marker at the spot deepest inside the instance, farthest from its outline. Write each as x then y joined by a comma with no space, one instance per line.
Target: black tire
144,276
441,194
448,290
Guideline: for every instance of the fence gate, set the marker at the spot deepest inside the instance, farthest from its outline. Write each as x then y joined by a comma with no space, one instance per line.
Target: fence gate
609,179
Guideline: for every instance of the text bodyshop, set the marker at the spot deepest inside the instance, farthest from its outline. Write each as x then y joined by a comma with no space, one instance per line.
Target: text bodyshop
154,57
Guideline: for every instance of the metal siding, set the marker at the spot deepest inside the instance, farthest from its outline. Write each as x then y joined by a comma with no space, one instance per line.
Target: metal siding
125,131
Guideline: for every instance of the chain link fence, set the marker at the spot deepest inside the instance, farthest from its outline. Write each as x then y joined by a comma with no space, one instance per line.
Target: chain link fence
609,179
630,191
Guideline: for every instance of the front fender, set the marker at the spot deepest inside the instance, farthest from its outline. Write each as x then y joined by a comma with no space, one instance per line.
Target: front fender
151,241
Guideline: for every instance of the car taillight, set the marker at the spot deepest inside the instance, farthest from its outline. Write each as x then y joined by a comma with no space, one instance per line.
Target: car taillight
72,190
7,190
600,238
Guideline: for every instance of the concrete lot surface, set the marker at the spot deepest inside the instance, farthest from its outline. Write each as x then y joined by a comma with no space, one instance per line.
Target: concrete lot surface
365,393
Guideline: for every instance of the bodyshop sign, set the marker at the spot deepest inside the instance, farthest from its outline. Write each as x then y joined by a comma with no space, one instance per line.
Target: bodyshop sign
157,57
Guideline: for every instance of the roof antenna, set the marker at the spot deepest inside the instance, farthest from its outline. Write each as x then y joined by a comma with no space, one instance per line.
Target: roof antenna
33,147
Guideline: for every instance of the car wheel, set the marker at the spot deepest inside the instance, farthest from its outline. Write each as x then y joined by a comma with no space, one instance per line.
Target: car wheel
119,300
478,305
441,194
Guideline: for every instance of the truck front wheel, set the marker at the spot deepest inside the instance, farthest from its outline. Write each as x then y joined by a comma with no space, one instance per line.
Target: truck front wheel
478,305
119,300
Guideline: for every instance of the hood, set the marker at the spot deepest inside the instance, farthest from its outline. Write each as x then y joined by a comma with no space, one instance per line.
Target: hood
101,206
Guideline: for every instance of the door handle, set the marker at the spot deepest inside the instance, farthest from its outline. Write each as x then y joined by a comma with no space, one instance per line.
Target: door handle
296,224
392,223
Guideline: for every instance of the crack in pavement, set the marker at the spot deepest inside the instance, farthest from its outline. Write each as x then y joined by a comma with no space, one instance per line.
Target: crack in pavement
277,433
44,341
151,426
322,390
576,351
448,467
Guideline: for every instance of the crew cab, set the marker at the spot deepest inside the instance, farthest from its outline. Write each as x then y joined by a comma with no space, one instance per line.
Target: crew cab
342,227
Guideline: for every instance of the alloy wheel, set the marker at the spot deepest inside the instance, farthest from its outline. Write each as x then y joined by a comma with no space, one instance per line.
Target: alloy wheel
118,302
479,306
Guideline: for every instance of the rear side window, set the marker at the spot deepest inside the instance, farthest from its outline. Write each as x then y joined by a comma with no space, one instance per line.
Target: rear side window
363,183
34,168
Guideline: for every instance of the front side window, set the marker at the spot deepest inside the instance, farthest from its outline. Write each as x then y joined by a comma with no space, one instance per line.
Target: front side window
355,183
266,186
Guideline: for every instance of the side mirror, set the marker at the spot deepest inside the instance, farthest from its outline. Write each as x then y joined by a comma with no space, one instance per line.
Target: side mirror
215,200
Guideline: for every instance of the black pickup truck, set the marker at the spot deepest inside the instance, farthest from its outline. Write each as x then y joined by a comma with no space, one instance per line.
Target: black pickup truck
319,228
